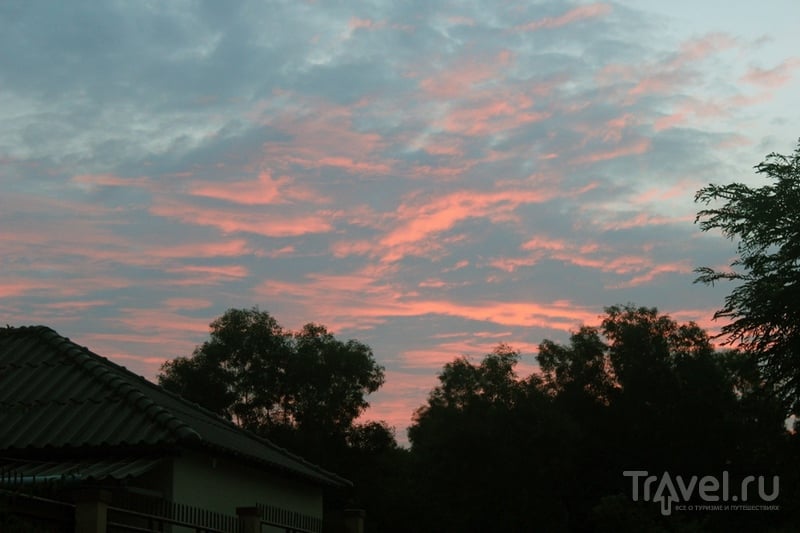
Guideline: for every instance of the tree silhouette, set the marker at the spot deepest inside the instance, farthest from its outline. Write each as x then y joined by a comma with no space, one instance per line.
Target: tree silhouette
490,451
266,378
764,306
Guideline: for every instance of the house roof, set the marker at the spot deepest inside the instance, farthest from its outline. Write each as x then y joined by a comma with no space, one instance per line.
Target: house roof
55,394
21,470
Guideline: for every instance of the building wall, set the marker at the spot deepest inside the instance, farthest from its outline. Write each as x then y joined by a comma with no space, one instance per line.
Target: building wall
222,484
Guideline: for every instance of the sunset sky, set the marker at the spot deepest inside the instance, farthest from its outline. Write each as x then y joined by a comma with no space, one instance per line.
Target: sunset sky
432,178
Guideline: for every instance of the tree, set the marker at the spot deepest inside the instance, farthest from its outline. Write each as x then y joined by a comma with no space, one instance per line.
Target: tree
579,371
276,382
764,306
495,452
489,450
649,393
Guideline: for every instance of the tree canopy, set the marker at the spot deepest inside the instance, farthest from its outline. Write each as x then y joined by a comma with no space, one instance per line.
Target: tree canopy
268,379
763,308
478,447
494,451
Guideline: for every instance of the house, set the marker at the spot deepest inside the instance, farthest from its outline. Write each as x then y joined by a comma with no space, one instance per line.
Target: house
120,449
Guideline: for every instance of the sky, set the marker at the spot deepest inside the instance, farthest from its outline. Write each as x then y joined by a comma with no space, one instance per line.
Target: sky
432,178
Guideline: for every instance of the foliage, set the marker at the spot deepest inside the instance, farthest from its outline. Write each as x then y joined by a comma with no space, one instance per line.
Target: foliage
492,451
489,450
580,369
764,306
271,380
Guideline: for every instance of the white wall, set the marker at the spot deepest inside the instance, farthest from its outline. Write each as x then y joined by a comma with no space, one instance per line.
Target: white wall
222,484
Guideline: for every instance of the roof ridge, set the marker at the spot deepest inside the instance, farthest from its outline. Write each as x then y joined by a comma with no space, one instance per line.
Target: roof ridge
103,370
230,425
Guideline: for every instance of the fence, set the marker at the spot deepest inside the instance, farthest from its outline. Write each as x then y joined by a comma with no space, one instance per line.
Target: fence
20,511
50,504
162,514
289,520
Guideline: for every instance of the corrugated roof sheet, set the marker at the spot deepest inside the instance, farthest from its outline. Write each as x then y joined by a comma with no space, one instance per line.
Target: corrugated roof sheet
15,469
56,394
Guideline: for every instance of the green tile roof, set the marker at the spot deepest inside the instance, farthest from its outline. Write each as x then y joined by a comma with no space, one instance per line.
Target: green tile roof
55,394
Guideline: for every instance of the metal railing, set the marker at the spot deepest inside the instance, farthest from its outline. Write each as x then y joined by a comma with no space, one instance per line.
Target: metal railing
195,518
29,496
289,520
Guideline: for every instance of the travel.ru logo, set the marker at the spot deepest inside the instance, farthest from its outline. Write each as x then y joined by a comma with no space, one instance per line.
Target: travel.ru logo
669,491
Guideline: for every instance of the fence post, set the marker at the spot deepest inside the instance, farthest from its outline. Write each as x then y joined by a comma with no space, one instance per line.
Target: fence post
249,519
354,520
91,510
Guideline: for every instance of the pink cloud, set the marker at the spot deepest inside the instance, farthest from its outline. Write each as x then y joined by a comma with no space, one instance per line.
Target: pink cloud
226,248
701,317
473,346
615,127
734,140
669,75
284,251
577,14
418,221
544,243
643,269
459,79
444,147
399,397
263,191
774,77
206,275
684,189
321,134
161,321
700,48
356,167
639,269
347,248
152,338
21,287
442,172
678,267
540,248
363,300
74,210
241,221
676,118
109,180
746,100
83,237
635,147
658,83
691,110
489,117
511,264
643,219
436,356
177,304
357,23
458,266
75,305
